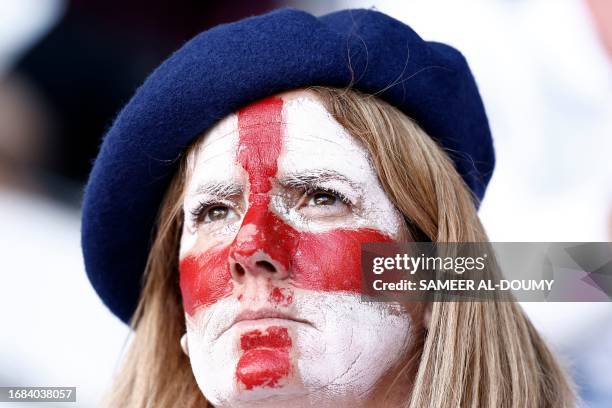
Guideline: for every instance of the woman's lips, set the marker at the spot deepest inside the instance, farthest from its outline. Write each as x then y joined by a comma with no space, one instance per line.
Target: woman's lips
250,315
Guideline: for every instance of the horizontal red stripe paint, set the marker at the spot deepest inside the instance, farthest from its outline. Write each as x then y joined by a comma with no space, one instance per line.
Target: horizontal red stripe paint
329,261
205,278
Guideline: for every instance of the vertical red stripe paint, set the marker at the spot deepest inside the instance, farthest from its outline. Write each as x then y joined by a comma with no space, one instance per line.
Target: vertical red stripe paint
280,296
263,368
259,147
265,360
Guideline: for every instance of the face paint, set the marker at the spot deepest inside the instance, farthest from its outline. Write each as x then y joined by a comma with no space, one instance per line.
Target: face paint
259,147
337,349
271,348
205,290
280,259
213,169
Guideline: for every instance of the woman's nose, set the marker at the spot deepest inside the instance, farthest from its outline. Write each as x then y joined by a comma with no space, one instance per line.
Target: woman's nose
264,244
262,248
256,265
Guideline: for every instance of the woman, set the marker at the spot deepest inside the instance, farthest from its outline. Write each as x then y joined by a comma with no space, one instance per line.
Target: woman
251,287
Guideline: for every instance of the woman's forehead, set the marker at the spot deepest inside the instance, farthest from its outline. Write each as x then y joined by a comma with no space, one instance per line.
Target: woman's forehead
310,138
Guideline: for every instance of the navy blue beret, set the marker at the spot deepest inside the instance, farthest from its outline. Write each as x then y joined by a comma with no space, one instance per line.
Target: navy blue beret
231,65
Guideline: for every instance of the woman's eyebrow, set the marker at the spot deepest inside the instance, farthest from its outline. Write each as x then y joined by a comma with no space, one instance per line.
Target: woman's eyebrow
219,189
309,177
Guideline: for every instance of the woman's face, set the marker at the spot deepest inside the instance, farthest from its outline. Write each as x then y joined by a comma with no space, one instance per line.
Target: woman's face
279,199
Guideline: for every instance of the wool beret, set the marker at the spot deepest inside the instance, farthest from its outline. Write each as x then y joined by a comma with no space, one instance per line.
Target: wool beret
231,65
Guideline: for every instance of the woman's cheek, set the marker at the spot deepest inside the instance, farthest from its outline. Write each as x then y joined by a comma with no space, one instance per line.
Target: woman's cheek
205,278
331,261
360,342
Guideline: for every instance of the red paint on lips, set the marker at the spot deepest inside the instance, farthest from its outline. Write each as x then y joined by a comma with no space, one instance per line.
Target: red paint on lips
328,261
274,337
265,360
263,368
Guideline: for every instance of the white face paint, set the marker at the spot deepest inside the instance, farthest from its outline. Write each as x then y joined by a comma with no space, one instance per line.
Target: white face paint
290,331
342,350
214,164
317,146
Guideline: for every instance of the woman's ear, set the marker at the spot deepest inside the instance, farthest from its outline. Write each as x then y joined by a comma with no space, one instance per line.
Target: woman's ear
184,344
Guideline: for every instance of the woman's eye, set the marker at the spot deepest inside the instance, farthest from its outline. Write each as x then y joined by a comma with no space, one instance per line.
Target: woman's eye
322,198
324,204
217,213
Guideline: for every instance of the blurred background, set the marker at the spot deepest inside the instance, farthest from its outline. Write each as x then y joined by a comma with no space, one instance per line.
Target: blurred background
544,68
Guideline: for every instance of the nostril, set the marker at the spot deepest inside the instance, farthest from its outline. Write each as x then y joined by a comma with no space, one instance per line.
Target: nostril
239,269
266,265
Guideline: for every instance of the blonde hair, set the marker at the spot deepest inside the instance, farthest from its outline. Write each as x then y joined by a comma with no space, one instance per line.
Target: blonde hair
474,354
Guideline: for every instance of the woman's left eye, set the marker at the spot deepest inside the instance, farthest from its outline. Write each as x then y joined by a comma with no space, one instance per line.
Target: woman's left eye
213,213
216,213
323,203
322,198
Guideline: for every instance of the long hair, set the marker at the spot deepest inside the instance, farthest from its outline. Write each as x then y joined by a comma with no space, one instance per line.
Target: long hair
473,354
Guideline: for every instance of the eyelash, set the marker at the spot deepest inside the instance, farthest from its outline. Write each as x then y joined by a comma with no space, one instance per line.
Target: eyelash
316,189
198,212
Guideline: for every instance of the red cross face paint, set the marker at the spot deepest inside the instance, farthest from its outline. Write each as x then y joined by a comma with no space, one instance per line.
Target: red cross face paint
279,199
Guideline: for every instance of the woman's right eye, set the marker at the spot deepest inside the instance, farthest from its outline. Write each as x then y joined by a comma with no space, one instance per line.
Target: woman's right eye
215,213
